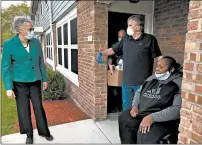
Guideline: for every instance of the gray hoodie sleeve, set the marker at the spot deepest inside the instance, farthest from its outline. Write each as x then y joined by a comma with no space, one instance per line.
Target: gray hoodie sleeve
172,112
136,98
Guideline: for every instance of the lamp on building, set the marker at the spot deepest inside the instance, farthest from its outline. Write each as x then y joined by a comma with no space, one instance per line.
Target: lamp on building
134,1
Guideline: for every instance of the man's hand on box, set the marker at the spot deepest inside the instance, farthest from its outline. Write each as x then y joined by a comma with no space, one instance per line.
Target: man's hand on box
111,68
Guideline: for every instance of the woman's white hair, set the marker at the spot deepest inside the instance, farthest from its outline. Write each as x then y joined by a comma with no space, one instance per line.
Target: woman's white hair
19,22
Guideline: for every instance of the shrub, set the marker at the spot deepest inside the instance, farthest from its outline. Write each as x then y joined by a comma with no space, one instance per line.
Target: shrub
56,86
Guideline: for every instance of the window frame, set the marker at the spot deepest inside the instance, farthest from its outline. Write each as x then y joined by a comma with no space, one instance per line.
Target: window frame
73,77
48,60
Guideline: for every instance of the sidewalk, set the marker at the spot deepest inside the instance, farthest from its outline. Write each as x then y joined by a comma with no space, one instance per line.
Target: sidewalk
86,131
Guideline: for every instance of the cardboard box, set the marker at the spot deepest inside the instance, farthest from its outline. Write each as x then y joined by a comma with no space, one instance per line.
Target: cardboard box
116,78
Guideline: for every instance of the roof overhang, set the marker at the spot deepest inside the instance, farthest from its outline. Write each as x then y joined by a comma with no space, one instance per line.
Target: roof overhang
105,1
38,30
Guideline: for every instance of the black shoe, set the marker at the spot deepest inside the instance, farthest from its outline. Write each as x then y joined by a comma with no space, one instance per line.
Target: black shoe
48,138
29,140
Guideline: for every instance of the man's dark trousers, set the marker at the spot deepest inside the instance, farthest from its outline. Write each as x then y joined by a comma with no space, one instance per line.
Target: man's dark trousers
24,93
129,130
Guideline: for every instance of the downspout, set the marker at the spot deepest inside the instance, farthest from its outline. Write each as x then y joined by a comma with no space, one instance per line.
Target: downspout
51,27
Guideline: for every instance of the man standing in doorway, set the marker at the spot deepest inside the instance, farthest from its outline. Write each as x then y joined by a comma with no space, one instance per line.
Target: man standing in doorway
114,59
139,50
114,98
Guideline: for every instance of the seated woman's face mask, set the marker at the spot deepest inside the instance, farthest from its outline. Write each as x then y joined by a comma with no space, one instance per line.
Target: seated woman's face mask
162,72
163,76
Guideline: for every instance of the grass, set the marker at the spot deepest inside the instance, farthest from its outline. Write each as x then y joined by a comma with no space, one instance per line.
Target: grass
8,113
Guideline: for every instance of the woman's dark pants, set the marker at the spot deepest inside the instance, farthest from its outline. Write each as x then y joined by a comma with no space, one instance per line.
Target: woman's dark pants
24,93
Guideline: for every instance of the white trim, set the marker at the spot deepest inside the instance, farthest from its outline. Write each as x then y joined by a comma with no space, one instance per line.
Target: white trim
48,31
50,62
68,74
148,24
66,17
51,29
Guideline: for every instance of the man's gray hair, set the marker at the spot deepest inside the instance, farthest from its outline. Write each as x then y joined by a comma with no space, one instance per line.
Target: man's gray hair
19,21
138,19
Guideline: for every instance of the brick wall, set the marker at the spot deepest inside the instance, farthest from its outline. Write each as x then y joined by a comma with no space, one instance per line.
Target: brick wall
191,112
91,95
170,26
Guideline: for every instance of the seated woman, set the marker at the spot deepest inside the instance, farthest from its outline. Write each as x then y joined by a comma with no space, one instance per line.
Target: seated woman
156,106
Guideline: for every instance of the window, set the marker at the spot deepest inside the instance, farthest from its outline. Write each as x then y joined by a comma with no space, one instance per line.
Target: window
67,48
49,48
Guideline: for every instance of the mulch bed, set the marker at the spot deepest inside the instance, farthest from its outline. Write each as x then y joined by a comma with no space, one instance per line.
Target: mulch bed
58,112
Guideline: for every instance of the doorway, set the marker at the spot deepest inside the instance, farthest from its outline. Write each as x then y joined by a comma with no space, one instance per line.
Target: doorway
116,22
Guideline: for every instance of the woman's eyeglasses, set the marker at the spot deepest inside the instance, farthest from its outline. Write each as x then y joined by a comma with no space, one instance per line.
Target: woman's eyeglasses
31,29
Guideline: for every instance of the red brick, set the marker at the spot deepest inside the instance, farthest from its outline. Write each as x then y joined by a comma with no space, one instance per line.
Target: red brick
196,118
201,46
193,25
194,36
186,56
186,113
188,66
196,137
198,89
194,5
197,127
187,104
184,131
199,68
183,139
183,94
193,142
191,97
195,14
190,46
197,109
199,100
91,87
197,78
187,76
186,86
193,56
199,57
185,122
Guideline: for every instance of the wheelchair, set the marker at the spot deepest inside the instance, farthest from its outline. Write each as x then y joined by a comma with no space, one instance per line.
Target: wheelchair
170,138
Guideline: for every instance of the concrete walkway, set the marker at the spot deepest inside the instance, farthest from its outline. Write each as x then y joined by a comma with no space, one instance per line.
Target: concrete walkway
86,131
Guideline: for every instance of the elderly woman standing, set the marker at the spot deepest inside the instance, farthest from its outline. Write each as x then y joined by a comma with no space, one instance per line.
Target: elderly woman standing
23,71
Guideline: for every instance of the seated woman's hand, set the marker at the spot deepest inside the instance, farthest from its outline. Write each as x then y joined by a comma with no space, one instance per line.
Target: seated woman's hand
134,111
146,124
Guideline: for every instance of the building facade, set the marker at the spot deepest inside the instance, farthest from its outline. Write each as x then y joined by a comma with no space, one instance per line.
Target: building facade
74,32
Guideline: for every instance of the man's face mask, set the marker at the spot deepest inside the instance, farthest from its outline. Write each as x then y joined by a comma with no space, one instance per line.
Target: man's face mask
119,39
130,31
